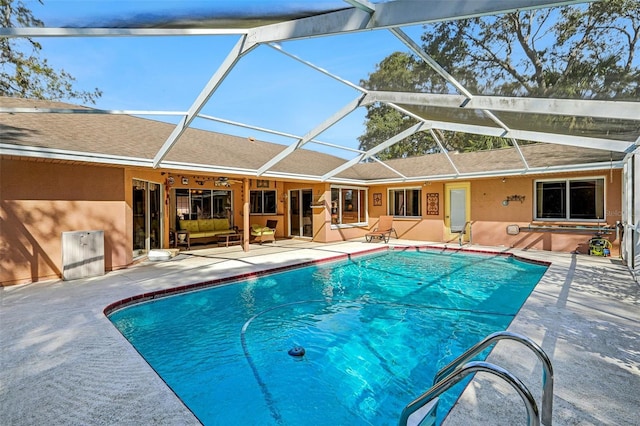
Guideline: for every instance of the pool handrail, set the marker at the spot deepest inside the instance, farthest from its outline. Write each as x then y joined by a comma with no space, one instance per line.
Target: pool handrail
547,368
458,374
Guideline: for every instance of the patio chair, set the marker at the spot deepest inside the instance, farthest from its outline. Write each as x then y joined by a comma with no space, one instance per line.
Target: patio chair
261,234
272,224
383,230
461,231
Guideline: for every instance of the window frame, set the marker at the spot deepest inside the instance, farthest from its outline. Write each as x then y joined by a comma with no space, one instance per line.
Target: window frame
186,206
361,208
567,199
391,201
262,211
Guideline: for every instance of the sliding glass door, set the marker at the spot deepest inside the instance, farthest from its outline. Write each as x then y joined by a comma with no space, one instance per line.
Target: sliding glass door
300,214
147,217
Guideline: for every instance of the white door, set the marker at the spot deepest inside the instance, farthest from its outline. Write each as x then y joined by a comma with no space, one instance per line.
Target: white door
457,211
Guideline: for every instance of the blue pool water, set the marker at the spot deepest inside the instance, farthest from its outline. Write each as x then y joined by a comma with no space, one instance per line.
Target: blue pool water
375,330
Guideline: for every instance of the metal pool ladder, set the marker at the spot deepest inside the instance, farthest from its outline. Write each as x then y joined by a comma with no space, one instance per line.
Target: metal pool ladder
422,410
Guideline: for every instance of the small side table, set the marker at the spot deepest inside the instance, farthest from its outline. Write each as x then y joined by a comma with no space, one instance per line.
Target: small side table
226,239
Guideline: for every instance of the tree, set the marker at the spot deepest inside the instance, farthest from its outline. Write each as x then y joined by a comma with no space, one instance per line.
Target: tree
22,72
399,72
584,52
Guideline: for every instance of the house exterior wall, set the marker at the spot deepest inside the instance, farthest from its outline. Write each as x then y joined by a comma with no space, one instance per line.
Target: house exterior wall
490,218
40,200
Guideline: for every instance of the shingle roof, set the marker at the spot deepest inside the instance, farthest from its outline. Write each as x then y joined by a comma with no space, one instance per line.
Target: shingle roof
141,138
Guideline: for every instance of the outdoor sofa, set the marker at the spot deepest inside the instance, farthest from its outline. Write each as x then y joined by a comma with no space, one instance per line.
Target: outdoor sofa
204,230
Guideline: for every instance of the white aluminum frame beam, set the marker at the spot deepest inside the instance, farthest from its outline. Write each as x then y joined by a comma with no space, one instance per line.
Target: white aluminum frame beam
625,110
279,48
417,50
364,16
272,132
365,5
388,167
444,150
238,50
344,111
393,14
560,139
34,110
117,32
358,18
509,172
373,151
67,155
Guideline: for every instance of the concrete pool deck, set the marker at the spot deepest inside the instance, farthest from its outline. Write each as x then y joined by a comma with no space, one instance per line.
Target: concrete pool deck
63,362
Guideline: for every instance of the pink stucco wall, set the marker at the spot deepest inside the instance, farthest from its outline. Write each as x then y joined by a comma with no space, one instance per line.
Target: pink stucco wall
40,200
489,218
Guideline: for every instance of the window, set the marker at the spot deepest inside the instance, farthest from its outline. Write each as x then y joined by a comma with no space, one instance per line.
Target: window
348,205
405,202
262,202
570,199
203,204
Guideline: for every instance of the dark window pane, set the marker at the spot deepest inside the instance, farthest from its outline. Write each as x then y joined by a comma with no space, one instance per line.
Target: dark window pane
270,202
551,199
255,202
362,198
584,199
349,206
413,202
335,202
398,208
406,202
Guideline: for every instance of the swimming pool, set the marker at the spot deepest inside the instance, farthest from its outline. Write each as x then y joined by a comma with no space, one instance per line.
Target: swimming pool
375,330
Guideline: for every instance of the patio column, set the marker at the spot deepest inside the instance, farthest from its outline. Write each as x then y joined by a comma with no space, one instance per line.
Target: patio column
245,214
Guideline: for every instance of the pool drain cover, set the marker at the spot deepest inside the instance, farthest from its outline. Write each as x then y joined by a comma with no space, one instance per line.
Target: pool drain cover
296,351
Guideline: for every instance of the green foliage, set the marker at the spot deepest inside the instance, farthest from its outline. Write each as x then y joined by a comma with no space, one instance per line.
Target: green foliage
575,52
22,72
398,72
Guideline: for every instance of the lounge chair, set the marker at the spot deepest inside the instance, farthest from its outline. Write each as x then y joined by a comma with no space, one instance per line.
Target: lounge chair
261,234
383,230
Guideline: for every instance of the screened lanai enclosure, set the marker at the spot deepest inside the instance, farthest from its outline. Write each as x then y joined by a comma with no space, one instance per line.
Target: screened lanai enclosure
313,75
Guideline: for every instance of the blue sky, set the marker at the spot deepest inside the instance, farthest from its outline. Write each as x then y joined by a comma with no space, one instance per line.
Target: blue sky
266,88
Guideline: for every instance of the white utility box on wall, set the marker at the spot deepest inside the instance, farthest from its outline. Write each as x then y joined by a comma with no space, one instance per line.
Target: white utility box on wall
82,254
